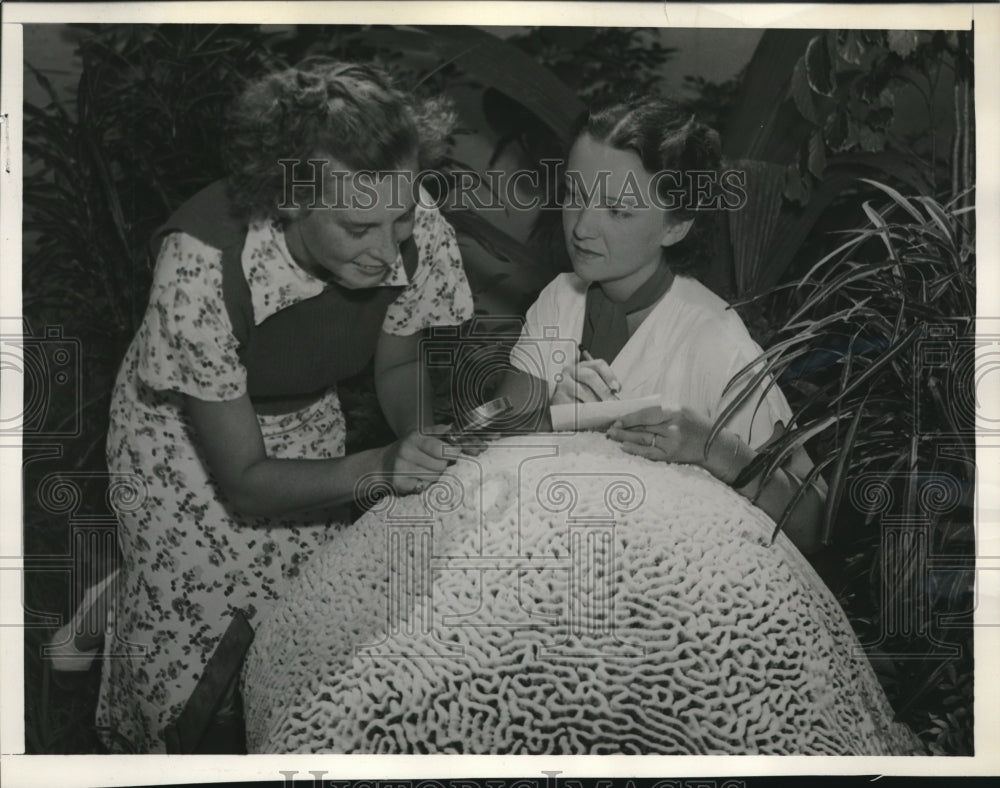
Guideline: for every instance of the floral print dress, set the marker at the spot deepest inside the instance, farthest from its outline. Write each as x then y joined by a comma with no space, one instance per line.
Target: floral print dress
187,561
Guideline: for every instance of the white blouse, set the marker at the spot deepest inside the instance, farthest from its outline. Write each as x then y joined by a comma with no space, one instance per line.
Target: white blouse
687,350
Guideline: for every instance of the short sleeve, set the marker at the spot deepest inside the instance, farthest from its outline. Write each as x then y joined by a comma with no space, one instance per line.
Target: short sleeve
186,342
438,294
539,320
552,328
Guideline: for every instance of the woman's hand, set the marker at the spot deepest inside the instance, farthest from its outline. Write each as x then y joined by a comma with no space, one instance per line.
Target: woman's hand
472,443
681,435
416,459
665,435
585,381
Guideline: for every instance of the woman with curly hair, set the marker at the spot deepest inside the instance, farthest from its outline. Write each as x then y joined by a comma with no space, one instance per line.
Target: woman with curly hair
638,180
313,258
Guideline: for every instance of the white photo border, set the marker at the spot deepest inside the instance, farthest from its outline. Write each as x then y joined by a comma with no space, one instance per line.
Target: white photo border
19,769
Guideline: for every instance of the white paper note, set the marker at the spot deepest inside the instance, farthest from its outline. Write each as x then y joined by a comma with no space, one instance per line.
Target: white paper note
597,415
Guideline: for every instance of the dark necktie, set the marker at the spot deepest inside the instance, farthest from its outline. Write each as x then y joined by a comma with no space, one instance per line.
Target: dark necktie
605,322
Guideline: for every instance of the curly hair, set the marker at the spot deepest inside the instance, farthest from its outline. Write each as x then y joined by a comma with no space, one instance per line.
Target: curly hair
665,138
325,108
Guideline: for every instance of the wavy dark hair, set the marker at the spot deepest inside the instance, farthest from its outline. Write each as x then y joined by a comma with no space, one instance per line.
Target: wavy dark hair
665,138
326,108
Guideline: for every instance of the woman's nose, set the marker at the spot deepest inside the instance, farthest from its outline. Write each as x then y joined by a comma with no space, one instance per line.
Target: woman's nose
583,225
387,247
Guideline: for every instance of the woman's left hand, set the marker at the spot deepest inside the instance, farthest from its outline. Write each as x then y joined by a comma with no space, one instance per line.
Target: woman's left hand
680,436
665,435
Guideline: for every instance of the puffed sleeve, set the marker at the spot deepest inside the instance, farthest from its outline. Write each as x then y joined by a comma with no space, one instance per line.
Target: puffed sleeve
438,294
186,340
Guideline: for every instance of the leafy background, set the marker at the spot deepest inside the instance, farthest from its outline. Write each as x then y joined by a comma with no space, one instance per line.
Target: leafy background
853,255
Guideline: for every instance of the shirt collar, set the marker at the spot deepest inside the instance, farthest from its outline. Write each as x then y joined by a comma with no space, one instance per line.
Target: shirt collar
276,281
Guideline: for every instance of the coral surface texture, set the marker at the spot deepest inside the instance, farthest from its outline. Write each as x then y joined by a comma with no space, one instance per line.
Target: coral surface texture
554,595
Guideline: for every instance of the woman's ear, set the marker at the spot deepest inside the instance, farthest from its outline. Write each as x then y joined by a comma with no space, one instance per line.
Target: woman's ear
675,232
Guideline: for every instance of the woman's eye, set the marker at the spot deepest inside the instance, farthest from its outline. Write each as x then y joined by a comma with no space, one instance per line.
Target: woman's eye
620,213
570,199
360,232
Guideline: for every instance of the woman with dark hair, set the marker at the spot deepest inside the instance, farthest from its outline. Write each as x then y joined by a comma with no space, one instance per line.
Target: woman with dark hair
637,180
313,258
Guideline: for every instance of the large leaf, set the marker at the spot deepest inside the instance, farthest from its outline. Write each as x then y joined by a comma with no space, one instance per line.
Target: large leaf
762,123
836,491
791,229
820,66
802,94
503,66
751,227
774,119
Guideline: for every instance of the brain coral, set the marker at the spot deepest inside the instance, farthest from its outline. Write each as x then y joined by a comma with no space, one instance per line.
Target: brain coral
557,596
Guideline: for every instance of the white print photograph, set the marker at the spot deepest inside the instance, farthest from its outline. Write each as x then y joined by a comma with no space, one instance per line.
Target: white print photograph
408,387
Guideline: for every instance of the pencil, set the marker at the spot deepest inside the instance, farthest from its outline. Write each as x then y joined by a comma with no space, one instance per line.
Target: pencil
585,355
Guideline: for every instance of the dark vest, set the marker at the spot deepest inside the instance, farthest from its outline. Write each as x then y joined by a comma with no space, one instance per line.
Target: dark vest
299,352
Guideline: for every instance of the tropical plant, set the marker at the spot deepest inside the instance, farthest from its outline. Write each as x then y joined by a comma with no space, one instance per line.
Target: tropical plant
599,63
142,135
814,114
596,64
877,355
845,85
